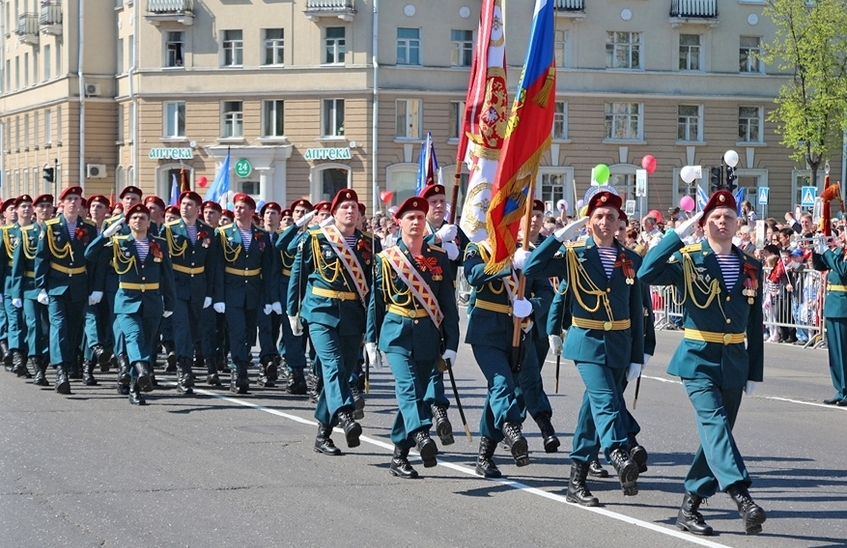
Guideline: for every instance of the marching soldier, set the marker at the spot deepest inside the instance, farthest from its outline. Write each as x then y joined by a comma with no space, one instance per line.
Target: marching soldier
269,325
606,338
192,247
8,216
835,313
245,268
214,324
722,306
61,272
17,355
97,329
414,319
145,291
331,295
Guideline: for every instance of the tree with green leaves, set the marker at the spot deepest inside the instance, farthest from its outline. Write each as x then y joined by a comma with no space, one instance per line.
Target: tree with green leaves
811,44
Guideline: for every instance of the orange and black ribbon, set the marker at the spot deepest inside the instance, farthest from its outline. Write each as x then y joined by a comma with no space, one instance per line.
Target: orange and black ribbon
628,269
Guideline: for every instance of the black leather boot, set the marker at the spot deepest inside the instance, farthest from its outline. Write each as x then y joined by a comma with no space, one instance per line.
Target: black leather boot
272,371
323,442
142,370
442,425
400,466
63,385
751,513
358,402
170,357
265,363
40,371
426,447
485,466
199,360
101,357
596,470
19,367
88,373
135,396
548,434
185,378
212,378
578,492
7,360
689,518
123,374
627,470
241,384
297,382
352,429
638,454
74,370
514,440
4,349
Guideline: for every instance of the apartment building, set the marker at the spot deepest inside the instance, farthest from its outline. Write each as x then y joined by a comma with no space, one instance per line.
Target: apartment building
309,96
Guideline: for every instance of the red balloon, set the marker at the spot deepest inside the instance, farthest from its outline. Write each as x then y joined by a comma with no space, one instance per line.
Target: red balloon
386,196
656,214
649,163
202,181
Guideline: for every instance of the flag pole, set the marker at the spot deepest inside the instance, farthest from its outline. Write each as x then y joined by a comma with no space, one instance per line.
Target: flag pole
516,332
454,196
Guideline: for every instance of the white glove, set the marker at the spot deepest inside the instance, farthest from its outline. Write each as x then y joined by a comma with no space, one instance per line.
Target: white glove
555,344
687,228
113,228
446,233
277,308
571,231
521,308
646,359
519,260
301,222
371,351
220,308
452,250
43,298
17,303
633,372
449,356
296,326
207,302
95,298
750,387
822,247
268,309
326,222
167,313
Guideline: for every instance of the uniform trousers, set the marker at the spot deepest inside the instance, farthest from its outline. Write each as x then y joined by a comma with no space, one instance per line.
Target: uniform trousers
532,387
337,355
141,330
269,326
410,378
96,320
600,420
242,331
15,325
66,326
186,325
37,326
836,338
502,403
435,389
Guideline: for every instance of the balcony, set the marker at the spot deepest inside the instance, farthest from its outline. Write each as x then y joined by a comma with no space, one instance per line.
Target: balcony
170,11
51,17
696,12
574,9
27,30
341,9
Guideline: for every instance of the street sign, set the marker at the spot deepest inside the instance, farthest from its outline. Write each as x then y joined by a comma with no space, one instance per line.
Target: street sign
763,195
640,183
808,195
243,168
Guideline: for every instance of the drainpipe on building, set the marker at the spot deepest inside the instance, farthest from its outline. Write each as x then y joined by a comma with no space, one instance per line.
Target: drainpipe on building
374,142
81,82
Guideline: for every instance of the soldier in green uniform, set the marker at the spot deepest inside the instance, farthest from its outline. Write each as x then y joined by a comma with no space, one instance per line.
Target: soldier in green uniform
269,325
413,318
719,287
8,216
606,338
98,329
61,272
16,357
145,291
834,261
214,330
331,295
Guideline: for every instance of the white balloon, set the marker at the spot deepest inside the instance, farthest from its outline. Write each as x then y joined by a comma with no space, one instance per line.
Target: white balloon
688,174
730,157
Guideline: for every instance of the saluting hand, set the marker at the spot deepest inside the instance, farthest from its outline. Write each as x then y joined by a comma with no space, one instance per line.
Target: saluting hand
687,228
571,231
113,228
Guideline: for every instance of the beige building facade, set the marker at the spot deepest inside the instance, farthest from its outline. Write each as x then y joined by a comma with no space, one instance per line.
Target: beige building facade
309,96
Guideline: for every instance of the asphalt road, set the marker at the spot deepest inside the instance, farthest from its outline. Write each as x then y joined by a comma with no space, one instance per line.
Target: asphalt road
214,470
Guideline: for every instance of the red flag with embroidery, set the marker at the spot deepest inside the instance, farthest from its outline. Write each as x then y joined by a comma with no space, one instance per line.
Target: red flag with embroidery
527,138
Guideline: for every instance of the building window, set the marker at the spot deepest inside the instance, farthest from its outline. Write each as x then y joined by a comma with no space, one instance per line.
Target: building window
623,50
408,119
26,70
553,187
274,47
233,46
462,48
58,58
272,118
689,52
26,131
59,124
48,126
457,113
35,66
119,64
408,46
175,119
46,63
748,54
689,123
623,121
333,118
750,124
560,120
174,45
561,47
121,123
8,75
232,123
35,129
336,46
130,43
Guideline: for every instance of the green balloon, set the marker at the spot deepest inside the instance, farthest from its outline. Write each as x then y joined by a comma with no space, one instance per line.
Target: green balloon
601,173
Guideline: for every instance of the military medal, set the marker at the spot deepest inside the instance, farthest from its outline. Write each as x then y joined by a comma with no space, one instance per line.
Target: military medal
627,267
751,284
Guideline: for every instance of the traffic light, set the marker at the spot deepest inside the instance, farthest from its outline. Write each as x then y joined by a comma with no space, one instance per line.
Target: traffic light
731,177
715,178
48,174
